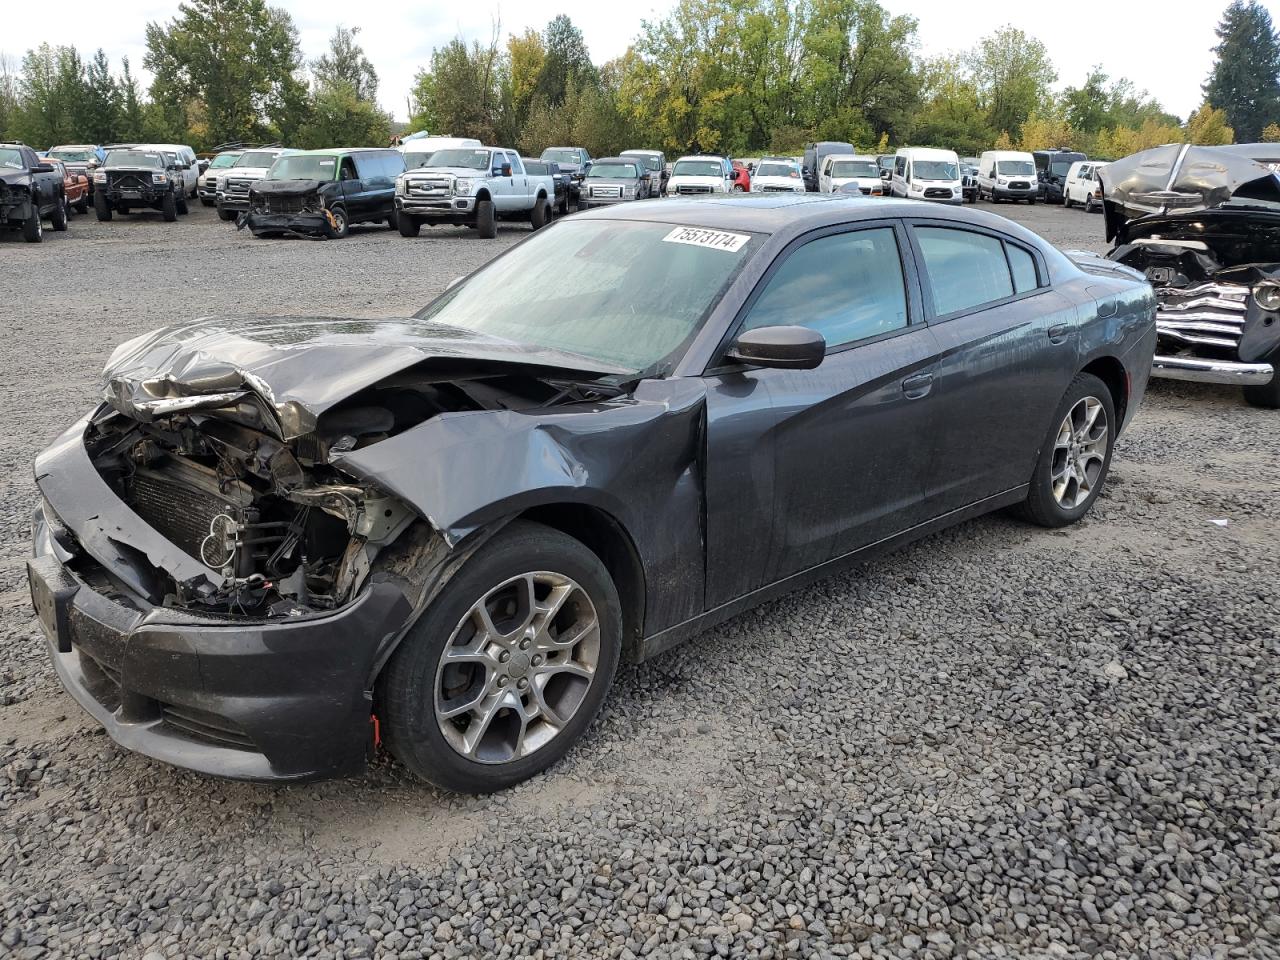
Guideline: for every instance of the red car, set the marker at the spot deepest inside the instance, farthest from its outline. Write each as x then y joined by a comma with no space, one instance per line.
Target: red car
75,186
741,178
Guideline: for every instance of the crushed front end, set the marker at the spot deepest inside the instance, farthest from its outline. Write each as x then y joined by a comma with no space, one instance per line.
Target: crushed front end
215,597
288,206
1216,274
15,203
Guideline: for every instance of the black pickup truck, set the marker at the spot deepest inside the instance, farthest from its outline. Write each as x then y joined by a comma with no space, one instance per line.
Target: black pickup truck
30,190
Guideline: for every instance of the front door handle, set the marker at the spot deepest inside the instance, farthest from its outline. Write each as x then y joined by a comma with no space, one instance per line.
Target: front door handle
917,386
1058,333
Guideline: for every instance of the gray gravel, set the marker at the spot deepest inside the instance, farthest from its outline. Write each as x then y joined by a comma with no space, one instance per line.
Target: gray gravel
999,742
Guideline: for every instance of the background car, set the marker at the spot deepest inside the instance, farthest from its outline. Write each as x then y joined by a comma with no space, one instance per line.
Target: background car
741,177
31,190
655,161
575,161
1082,185
75,186
559,179
841,168
777,175
1051,171
208,186
699,174
814,153
614,180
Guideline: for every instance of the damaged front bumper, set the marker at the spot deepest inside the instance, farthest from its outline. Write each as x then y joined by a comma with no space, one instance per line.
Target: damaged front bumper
267,223
1228,372
245,697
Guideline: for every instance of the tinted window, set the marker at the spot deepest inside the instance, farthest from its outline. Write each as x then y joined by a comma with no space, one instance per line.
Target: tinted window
1023,266
964,269
847,287
535,168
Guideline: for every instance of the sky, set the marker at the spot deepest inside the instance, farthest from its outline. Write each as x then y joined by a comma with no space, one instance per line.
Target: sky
1165,50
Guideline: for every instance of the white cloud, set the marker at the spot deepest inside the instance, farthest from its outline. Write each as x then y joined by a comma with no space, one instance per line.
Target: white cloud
1164,49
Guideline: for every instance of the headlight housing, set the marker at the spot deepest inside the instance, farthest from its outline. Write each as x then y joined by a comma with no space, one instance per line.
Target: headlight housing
463,187
1267,295
159,178
99,176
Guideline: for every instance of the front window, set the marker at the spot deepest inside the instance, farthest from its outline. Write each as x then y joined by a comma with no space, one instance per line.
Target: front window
423,159
73,156
614,171
1059,168
698,168
936,170
854,168
134,158
561,155
223,160
303,167
11,158
1016,168
467,159
777,170
627,294
256,158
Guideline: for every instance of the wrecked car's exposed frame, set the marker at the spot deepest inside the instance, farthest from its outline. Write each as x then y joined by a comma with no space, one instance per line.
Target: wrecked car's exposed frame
247,678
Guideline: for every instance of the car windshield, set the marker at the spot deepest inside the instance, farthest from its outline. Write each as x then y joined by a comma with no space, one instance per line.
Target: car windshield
223,160
256,158
415,159
1016,168
75,156
11,158
1060,167
303,167
617,171
936,170
698,168
627,293
134,158
470,159
854,168
776,170
562,155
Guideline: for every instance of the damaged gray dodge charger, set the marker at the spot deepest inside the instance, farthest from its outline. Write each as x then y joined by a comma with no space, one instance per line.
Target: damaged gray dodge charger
276,542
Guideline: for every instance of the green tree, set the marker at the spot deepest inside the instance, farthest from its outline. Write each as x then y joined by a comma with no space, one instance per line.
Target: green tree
8,95
131,108
346,63
1013,74
1245,79
339,116
463,90
239,58
1209,126
50,88
98,112
566,61
950,114
422,103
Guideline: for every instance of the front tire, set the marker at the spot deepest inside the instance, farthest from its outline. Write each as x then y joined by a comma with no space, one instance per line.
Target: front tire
32,228
486,221
169,208
507,668
226,216
408,226
1076,456
1266,396
101,207
339,227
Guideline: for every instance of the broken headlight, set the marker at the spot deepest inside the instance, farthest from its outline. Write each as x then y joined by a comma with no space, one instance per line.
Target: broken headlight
1267,295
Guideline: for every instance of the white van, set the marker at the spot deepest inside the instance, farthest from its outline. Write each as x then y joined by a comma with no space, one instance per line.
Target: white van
926,173
1082,185
841,168
418,151
1007,175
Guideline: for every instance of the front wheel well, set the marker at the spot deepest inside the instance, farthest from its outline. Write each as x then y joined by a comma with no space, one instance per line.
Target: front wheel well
607,539
1111,372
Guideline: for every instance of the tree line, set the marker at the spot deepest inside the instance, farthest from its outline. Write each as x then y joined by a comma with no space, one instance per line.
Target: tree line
736,76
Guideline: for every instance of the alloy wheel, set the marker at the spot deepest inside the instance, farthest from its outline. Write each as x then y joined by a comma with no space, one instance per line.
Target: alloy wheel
1079,453
517,667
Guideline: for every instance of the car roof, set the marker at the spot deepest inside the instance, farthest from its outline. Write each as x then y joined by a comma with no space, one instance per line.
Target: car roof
792,212
646,153
1006,154
339,151
925,153
830,157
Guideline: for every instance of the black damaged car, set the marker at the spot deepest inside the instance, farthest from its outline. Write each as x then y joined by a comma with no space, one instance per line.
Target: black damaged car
30,191
276,542
324,192
1203,225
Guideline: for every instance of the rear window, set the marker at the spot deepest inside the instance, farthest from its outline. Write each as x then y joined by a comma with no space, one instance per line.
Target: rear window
965,269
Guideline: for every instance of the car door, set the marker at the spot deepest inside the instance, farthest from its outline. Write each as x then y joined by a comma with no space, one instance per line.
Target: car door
1008,352
804,466
500,186
353,192
522,190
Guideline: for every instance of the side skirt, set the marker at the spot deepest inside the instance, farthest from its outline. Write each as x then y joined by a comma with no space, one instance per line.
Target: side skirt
673,636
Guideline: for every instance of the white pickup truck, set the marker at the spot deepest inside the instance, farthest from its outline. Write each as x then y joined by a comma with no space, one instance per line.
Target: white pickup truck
472,186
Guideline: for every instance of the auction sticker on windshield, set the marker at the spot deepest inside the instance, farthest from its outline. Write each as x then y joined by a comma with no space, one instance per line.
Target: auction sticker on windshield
714,239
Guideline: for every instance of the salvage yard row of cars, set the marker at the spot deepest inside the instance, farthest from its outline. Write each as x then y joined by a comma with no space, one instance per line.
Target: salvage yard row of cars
275,545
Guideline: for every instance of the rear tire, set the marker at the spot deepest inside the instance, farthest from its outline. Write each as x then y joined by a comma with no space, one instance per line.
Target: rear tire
1088,204
169,208
1076,456
1066,201
486,221
540,214
408,226
59,218
495,739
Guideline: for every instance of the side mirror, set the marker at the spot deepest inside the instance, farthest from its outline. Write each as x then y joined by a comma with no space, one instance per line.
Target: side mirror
505,170
785,347
42,168
885,175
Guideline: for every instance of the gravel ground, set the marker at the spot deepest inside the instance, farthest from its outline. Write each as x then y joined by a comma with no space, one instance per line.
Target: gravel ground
1001,741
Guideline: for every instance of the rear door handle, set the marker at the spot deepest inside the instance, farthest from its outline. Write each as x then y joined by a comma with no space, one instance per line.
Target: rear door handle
917,386
1058,333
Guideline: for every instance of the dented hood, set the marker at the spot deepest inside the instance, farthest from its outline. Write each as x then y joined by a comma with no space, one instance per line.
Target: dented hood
298,367
288,187
1180,177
